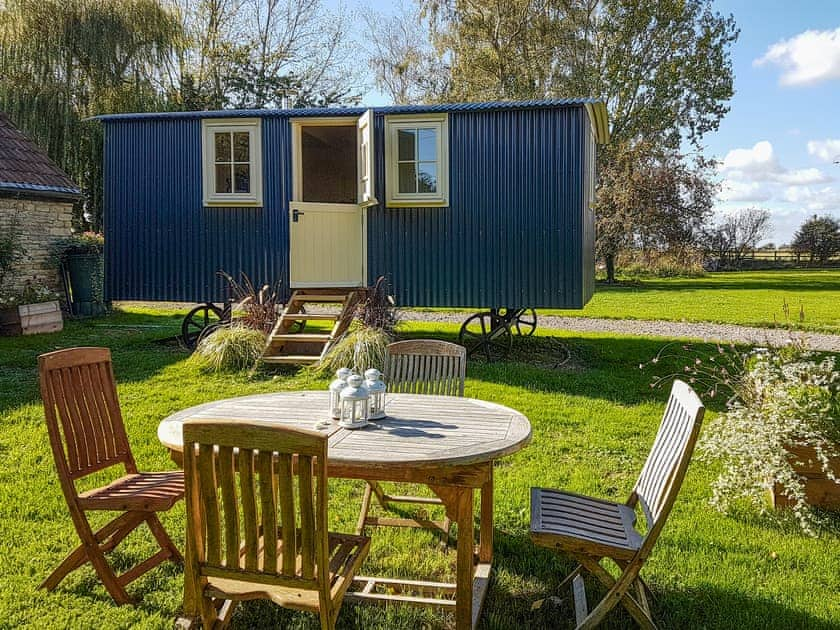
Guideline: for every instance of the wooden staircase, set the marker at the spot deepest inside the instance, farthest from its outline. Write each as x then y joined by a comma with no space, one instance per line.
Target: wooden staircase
290,342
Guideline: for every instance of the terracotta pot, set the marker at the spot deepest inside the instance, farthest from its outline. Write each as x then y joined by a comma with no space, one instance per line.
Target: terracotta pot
820,491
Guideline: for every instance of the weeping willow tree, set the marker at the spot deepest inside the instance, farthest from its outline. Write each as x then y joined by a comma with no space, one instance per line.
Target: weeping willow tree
63,61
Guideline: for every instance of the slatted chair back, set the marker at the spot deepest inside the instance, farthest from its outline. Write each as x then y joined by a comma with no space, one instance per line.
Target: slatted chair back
250,482
426,366
82,411
662,475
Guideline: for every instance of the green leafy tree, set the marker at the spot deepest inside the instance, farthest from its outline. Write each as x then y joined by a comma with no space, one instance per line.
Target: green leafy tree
62,61
819,237
662,66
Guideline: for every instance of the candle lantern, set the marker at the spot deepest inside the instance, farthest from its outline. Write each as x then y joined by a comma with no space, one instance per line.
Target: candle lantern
336,386
354,403
376,387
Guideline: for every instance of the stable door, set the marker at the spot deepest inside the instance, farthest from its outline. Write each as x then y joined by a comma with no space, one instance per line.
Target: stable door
332,185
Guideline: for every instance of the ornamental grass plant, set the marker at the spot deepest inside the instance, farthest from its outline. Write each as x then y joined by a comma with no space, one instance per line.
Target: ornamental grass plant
229,349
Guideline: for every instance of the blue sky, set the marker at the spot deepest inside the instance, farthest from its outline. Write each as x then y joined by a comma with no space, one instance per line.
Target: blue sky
778,143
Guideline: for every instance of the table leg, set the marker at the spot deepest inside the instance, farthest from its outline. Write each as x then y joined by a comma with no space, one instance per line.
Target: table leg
485,532
465,568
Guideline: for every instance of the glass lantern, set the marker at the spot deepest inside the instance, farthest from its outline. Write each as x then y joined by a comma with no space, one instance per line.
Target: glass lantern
336,386
354,403
376,388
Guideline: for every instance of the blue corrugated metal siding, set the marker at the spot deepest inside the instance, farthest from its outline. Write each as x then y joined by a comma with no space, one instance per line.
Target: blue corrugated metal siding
161,243
512,233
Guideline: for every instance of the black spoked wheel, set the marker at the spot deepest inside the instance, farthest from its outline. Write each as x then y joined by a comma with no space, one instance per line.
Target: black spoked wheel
525,322
486,335
203,317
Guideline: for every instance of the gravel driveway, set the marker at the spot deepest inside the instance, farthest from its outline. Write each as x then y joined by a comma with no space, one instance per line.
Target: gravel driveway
690,330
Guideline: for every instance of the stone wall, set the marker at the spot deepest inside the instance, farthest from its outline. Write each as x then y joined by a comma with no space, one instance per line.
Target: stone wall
41,222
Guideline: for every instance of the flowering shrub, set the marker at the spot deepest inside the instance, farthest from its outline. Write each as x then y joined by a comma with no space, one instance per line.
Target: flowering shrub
778,399
784,403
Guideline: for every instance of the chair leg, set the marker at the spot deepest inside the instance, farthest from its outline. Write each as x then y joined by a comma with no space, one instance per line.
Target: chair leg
570,577
104,539
618,593
163,539
363,513
108,577
327,619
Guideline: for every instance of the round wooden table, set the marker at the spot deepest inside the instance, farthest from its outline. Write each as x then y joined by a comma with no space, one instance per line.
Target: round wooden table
445,442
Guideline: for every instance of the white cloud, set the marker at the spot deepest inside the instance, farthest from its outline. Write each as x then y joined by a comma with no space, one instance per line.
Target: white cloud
754,176
827,150
814,199
802,177
808,58
759,159
759,164
738,190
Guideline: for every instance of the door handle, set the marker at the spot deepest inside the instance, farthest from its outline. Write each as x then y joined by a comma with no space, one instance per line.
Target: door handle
295,214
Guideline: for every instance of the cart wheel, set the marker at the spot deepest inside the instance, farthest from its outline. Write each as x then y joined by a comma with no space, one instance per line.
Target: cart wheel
197,320
486,335
525,322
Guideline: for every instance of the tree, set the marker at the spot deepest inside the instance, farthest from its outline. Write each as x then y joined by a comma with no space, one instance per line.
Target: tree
662,66
402,58
266,53
736,234
655,201
819,237
62,61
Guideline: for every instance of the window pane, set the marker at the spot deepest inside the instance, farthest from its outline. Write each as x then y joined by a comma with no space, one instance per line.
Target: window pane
408,177
223,183
405,143
427,145
427,177
242,178
241,142
222,147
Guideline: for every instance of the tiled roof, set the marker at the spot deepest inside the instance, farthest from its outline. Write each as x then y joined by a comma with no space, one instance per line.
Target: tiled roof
26,169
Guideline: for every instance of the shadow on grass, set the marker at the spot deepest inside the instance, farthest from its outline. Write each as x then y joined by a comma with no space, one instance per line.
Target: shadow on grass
132,338
597,367
518,564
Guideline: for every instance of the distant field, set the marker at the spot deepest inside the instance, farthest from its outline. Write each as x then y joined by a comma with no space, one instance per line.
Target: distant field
751,298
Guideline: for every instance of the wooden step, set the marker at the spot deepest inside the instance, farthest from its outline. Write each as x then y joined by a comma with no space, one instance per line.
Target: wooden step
319,337
293,359
316,297
326,317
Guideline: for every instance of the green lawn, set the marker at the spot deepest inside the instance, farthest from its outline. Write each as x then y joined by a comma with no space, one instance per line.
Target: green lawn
593,422
752,298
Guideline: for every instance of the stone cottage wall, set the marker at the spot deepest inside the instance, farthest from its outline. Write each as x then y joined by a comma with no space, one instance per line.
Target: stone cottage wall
40,222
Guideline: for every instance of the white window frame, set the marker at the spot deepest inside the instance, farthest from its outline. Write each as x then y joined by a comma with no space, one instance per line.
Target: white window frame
209,127
393,197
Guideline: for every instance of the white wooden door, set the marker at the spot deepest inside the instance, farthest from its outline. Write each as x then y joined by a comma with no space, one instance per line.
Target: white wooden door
332,160
327,248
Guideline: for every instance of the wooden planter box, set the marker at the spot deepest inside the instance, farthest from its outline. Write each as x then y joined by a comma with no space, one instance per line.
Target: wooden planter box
820,491
31,319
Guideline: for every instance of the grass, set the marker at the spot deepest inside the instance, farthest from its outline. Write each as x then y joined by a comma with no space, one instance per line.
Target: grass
593,420
753,298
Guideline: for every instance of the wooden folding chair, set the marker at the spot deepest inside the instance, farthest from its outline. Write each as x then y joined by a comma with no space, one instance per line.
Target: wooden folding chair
591,530
417,366
87,435
251,533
